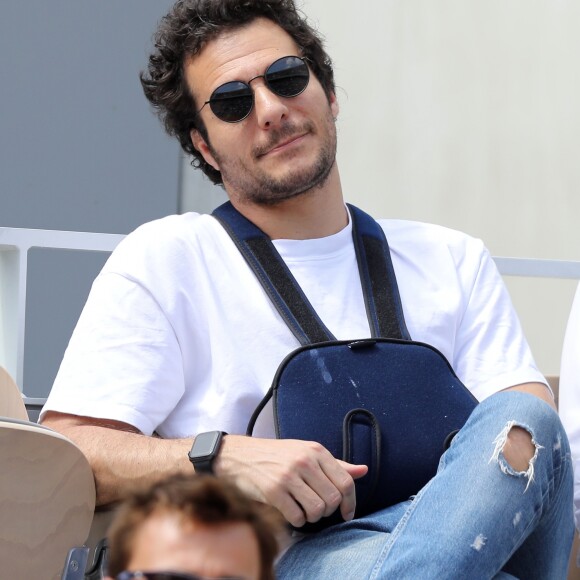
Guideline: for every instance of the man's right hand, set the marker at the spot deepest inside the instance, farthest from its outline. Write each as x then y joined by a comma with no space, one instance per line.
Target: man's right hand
300,478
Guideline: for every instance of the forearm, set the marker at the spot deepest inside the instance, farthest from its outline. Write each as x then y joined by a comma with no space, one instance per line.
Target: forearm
120,456
121,460
538,389
300,478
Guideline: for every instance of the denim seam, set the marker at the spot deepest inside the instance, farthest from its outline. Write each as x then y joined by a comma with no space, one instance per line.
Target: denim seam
375,572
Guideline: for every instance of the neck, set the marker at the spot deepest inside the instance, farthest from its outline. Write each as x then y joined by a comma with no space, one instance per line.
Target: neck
317,213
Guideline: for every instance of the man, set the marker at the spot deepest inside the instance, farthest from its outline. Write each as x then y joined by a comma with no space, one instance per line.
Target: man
199,526
179,338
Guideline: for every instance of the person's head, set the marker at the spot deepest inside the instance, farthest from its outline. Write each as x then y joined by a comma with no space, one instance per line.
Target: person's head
196,525
203,44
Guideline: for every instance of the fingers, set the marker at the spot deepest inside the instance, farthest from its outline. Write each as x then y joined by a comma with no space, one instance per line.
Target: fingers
356,471
300,478
321,485
302,490
348,503
335,486
290,509
328,485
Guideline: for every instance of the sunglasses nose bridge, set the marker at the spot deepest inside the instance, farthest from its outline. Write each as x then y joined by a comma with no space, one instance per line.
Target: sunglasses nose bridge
255,78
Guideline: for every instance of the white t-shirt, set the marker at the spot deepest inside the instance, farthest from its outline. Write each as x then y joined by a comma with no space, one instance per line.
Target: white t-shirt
178,336
569,404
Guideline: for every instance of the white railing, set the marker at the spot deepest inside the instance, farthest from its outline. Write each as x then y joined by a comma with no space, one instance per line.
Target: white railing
15,243
14,246
533,268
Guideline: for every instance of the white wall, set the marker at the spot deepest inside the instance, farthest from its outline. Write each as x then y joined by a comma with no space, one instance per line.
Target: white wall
466,113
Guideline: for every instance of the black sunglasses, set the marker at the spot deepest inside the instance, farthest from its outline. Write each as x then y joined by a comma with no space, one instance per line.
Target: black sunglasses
167,576
233,102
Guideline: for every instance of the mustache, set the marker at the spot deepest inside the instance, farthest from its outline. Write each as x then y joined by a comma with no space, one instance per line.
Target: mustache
278,136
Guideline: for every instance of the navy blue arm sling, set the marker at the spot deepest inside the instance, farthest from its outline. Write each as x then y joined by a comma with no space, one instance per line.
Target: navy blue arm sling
387,401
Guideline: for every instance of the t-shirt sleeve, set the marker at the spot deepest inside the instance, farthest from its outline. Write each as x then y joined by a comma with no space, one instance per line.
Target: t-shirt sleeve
491,352
123,361
569,406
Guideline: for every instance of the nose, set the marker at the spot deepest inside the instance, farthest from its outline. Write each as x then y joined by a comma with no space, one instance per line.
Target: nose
270,108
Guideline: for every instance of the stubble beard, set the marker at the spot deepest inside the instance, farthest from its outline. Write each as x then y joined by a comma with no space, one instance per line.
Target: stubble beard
254,185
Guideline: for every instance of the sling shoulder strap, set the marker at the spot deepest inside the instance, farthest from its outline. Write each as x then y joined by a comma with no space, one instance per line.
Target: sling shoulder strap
379,284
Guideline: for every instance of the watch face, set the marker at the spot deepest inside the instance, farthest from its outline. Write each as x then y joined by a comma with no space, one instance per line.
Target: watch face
205,444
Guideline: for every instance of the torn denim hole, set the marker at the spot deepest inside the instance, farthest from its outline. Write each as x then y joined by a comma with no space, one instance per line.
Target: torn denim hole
479,542
500,442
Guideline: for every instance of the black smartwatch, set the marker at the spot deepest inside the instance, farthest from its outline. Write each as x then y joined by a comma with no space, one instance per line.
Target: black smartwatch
204,450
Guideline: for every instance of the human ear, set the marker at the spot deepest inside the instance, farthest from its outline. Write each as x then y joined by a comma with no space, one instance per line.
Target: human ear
334,108
201,145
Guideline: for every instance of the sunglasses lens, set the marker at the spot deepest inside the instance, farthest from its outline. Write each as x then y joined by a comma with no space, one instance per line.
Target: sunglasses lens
288,76
232,102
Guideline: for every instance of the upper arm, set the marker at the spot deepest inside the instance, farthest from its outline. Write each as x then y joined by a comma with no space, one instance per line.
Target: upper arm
121,358
491,351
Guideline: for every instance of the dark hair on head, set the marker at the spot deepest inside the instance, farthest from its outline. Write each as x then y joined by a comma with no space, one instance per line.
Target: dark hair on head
195,498
184,32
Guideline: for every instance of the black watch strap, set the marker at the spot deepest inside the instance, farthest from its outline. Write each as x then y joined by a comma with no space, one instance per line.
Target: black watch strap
204,450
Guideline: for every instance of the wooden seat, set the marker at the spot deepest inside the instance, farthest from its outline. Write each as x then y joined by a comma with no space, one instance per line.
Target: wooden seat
11,403
47,499
47,492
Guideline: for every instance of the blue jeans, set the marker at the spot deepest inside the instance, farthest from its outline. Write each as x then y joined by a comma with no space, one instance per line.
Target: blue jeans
477,518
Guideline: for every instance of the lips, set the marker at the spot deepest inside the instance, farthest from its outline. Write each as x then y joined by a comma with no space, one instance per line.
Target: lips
281,144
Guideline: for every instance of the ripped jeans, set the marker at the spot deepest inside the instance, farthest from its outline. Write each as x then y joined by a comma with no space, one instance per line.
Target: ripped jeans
477,518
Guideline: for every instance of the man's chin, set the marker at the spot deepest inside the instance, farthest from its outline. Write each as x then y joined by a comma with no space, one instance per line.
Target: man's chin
273,199
268,187
278,192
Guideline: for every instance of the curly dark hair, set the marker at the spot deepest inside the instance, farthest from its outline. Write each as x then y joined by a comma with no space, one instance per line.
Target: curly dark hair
199,499
184,32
